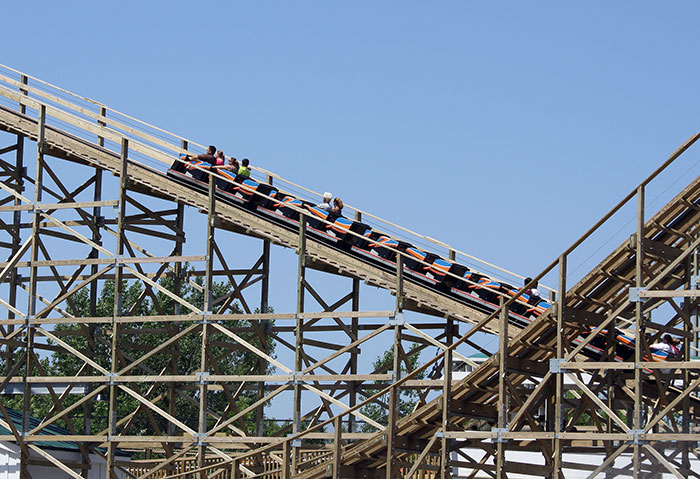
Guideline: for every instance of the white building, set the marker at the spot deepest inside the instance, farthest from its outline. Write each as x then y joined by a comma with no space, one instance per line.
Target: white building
67,452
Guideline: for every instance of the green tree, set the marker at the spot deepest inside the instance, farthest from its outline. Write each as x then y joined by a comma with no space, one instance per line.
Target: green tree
377,410
225,356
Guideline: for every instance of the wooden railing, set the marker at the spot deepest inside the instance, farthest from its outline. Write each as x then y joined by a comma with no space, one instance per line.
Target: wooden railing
265,468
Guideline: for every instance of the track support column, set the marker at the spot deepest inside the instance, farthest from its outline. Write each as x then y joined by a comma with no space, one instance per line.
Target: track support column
207,307
445,443
112,416
502,396
394,394
639,329
33,273
299,332
558,378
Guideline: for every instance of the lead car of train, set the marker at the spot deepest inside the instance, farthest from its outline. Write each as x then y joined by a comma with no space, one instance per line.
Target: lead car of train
422,267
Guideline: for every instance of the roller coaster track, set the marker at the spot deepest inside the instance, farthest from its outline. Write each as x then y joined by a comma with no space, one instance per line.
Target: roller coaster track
535,355
669,234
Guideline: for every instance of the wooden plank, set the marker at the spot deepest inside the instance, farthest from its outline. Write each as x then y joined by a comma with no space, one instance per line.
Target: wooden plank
682,293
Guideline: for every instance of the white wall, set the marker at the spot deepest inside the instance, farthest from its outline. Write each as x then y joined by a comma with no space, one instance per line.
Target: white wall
10,467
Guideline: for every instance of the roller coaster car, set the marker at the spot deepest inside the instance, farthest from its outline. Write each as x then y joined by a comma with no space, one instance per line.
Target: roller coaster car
316,217
444,273
286,205
267,197
180,165
341,229
539,308
385,247
415,259
366,241
624,347
197,169
254,194
487,289
227,182
470,281
519,306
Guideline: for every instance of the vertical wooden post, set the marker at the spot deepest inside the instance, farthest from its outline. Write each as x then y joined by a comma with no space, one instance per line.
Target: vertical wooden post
299,331
208,302
685,374
264,306
399,282
355,331
33,273
286,460
178,266
337,447
502,421
639,329
558,378
94,288
445,443
177,288
175,327
236,469
394,393
118,274
394,398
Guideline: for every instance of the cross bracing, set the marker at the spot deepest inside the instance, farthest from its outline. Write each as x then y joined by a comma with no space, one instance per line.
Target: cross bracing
64,234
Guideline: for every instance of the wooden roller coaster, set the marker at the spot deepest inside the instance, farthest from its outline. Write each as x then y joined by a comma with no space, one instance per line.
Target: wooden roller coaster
556,389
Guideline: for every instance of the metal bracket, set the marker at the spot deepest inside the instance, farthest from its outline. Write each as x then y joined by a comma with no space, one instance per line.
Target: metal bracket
296,378
499,431
634,295
27,322
439,434
398,319
555,365
635,435
112,377
202,377
199,436
204,319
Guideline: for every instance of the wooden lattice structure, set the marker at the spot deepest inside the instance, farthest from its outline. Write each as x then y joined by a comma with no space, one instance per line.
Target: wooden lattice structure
68,226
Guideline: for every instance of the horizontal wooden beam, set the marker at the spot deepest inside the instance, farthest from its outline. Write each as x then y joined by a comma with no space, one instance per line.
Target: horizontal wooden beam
676,293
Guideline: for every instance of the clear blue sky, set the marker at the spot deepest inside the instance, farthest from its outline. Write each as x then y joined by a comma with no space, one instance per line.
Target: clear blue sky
503,128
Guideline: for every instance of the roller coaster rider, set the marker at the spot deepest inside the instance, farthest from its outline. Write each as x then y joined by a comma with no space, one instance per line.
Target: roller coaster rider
206,157
325,205
244,170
